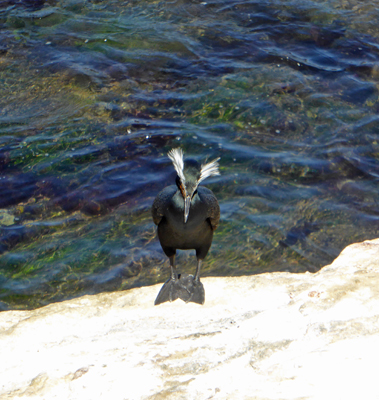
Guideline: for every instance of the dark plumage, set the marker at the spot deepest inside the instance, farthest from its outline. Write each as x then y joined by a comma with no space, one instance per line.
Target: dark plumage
186,215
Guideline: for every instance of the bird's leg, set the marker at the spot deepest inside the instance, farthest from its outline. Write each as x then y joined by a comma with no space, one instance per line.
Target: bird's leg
191,289
173,268
169,291
188,287
196,278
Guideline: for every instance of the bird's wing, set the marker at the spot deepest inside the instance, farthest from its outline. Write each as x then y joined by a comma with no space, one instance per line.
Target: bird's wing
213,207
161,203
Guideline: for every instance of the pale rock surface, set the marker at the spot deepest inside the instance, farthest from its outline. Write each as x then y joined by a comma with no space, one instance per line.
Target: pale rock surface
269,336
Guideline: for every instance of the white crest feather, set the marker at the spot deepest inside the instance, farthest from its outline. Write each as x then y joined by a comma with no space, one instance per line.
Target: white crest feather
176,156
210,169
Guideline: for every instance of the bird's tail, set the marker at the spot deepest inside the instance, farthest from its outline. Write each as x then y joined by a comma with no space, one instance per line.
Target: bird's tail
184,287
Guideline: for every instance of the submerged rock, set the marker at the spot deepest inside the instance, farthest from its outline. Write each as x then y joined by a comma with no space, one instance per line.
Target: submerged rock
269,336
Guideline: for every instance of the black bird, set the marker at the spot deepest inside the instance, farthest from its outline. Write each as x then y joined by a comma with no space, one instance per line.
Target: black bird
187,215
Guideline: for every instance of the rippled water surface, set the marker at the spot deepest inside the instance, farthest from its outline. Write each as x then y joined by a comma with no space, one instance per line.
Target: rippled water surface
94,93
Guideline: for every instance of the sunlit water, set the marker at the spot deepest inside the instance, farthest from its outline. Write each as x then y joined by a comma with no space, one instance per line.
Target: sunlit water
94,93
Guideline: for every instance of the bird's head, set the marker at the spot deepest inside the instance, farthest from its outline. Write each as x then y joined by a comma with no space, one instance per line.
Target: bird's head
189,174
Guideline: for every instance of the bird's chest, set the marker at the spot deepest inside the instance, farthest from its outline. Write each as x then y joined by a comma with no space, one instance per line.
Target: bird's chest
197,216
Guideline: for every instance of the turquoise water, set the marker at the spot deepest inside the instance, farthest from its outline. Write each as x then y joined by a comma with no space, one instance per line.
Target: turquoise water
94,93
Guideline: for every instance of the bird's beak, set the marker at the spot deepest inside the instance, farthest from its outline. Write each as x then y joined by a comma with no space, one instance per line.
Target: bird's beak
187,204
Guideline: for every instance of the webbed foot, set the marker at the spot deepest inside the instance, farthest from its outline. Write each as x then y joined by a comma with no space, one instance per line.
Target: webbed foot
191,291
185,287
168,292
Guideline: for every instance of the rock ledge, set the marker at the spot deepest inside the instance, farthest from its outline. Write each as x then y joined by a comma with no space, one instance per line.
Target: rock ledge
269,336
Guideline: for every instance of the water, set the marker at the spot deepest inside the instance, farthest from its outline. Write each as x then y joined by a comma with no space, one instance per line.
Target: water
94,93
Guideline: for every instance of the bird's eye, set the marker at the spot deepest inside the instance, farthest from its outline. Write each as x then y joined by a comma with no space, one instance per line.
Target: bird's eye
182,190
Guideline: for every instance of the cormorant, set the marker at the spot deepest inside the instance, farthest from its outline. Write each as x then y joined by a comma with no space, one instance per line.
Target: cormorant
187,215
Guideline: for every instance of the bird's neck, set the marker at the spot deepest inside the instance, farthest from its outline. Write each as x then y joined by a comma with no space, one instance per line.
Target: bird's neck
178,200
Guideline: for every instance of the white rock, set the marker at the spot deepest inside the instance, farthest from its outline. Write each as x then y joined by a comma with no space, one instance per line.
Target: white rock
269,336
